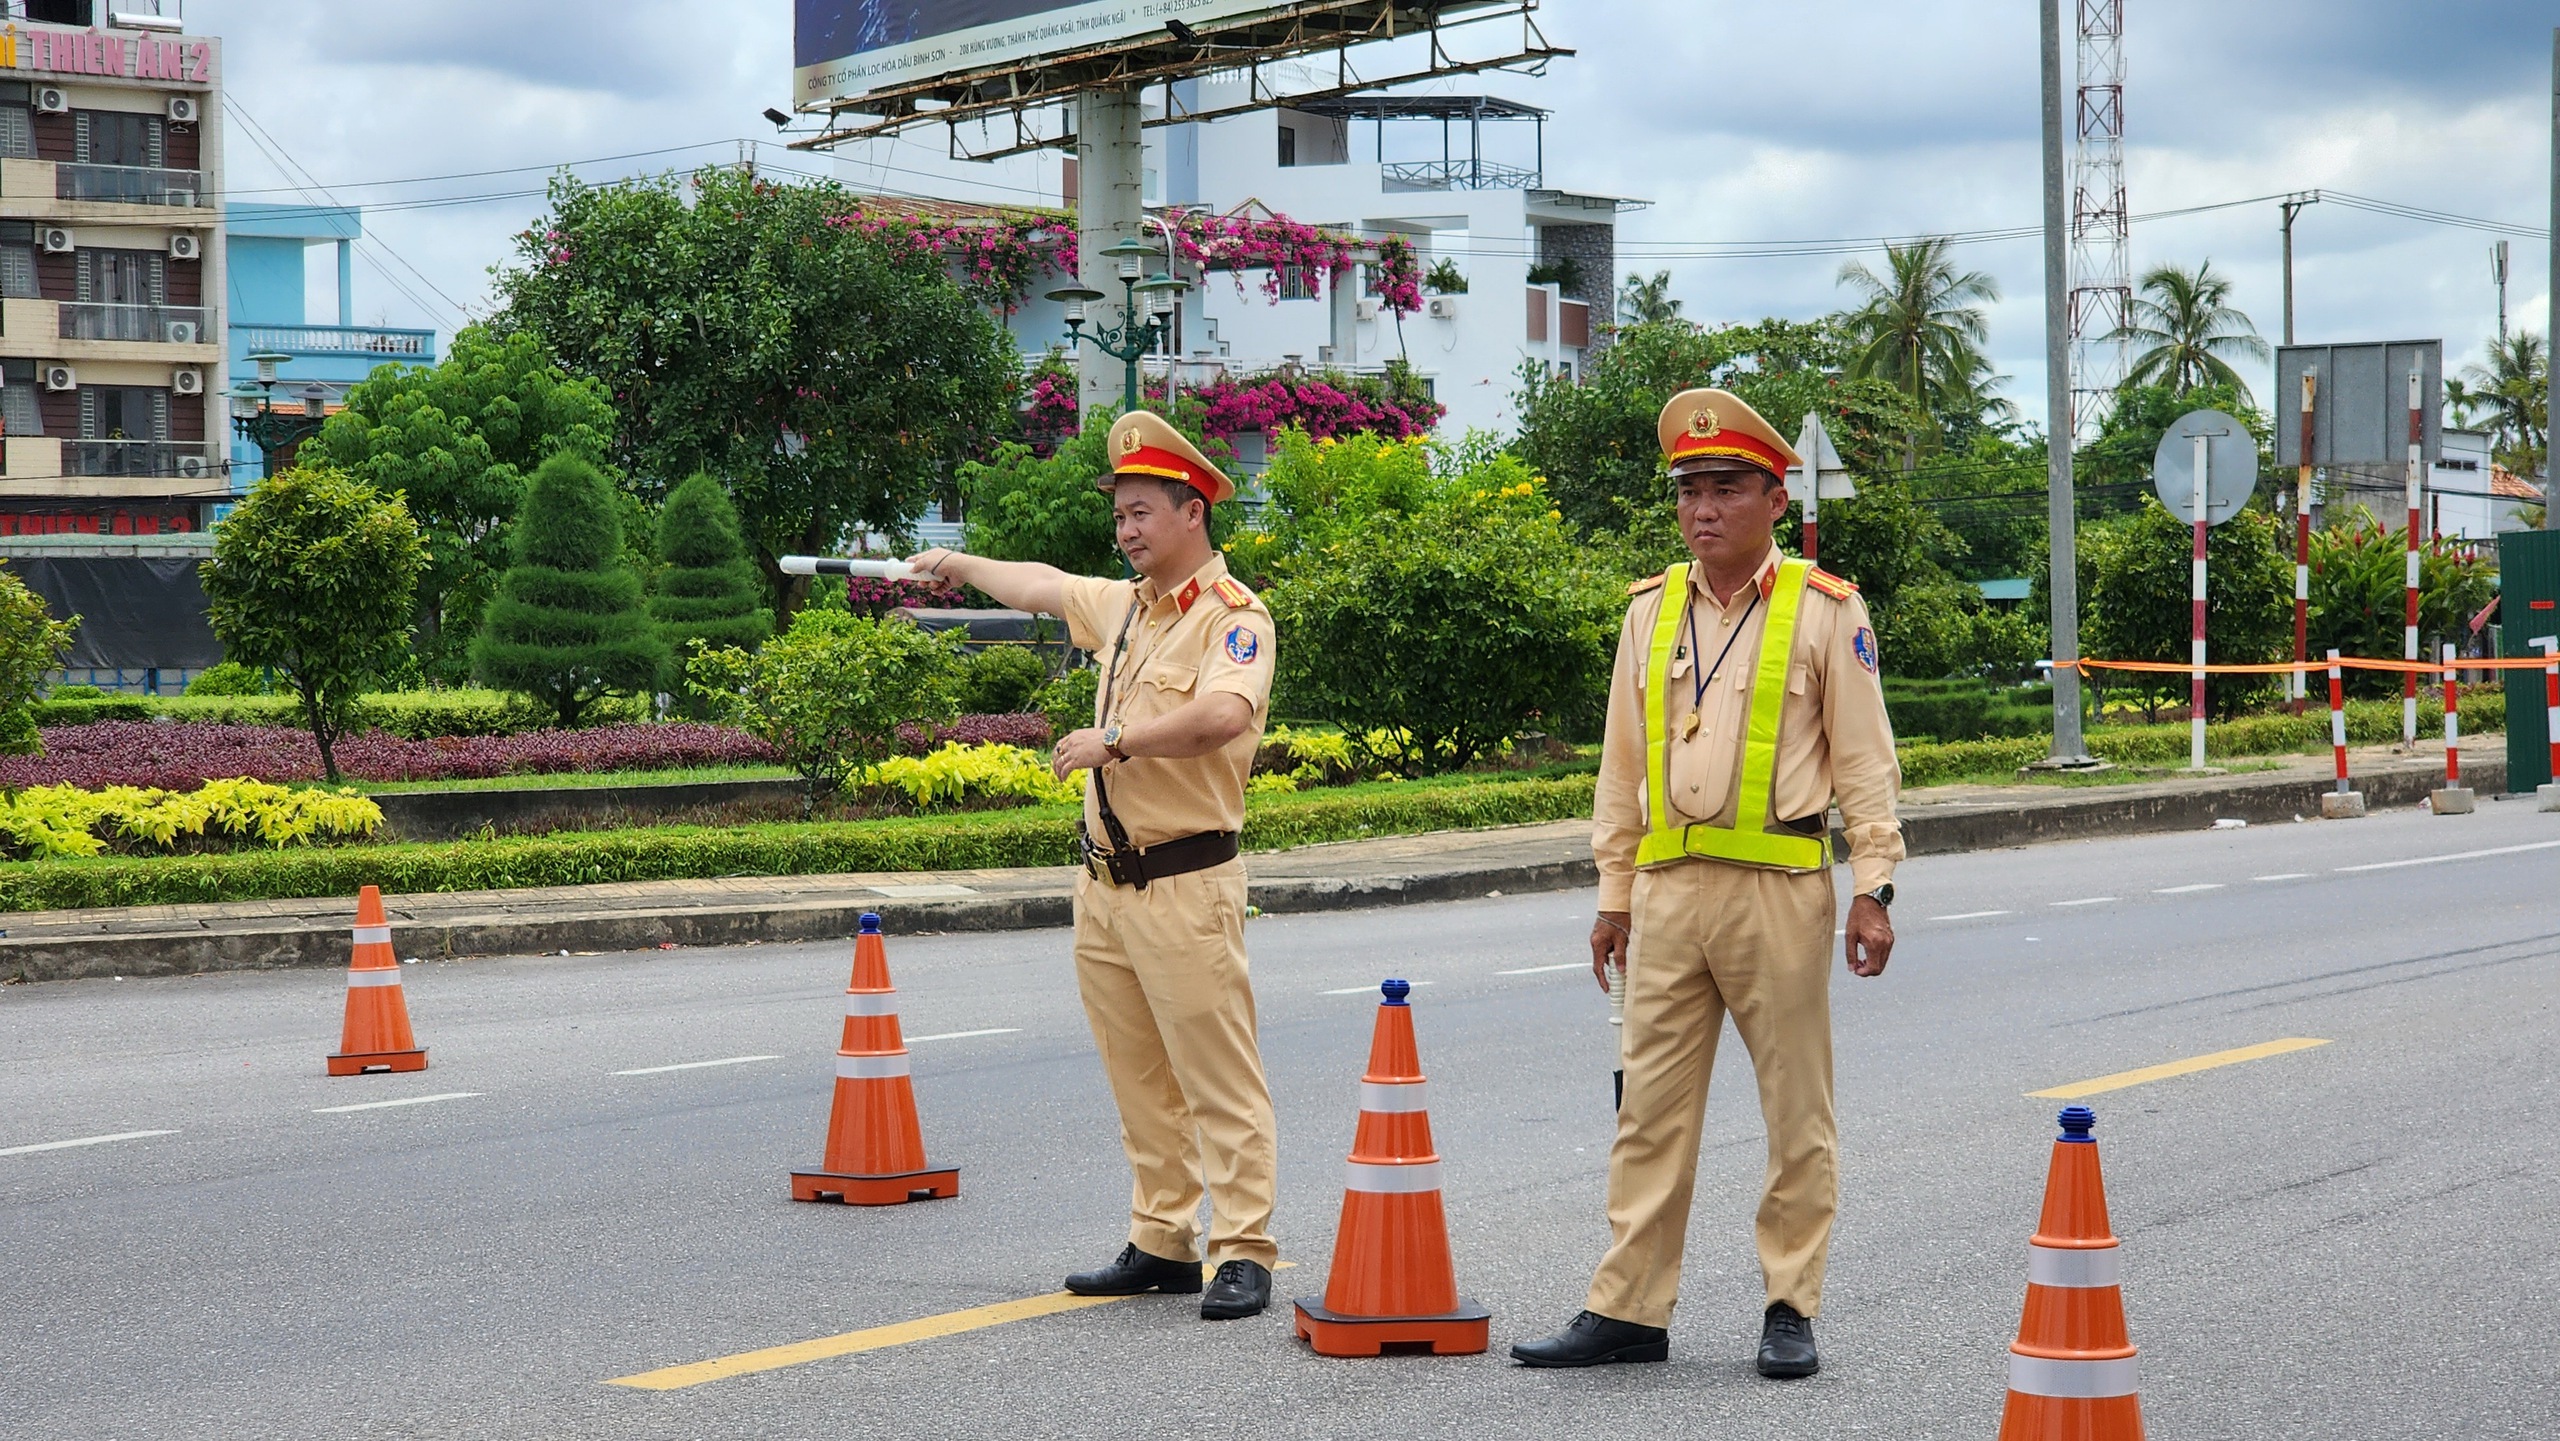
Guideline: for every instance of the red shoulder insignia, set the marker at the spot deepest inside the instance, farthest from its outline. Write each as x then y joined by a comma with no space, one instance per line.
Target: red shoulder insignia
1646,584
1829,584
1232,591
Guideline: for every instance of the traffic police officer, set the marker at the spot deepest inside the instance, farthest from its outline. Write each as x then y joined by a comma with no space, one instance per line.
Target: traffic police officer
1745,700
1186,655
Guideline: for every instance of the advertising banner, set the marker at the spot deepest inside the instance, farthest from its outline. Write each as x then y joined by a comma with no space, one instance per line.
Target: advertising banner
845,49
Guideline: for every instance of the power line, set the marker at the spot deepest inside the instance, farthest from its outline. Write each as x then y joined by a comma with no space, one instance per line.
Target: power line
275,150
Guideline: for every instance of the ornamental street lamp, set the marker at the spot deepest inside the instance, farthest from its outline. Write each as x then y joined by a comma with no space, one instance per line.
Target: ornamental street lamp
254,417
1146,311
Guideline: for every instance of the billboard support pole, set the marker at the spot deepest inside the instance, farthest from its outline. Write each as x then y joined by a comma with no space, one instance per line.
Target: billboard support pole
1110,207
2063,567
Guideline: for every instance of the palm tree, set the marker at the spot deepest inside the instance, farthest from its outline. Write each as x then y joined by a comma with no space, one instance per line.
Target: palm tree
2513,390
1921,329
1644,301
2187,324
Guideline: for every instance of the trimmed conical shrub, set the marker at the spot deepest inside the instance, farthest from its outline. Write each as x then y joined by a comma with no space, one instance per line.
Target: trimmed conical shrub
567,626
706,592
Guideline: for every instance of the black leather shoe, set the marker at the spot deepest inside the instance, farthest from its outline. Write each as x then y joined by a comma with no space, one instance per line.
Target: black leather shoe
1595,1340
1240,1289
1786,1344
1137,1272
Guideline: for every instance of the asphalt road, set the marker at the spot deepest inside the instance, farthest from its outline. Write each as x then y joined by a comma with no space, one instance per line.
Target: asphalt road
2346,1240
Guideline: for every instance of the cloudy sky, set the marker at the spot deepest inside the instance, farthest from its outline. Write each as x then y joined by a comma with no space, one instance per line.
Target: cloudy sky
1813,120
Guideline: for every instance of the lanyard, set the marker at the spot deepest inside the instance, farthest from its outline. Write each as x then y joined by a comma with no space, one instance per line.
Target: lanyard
1707,677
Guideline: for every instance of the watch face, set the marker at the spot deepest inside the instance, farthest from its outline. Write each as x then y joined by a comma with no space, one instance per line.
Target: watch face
1883,894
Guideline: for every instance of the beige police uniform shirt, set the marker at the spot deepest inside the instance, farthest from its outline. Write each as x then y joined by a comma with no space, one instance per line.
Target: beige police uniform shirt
1206,635
1834,739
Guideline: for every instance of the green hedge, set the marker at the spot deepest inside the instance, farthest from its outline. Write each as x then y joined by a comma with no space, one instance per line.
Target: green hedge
987,839
1924,763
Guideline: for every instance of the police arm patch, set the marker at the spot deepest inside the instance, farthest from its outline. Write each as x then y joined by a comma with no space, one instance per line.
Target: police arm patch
1864,643
1242,645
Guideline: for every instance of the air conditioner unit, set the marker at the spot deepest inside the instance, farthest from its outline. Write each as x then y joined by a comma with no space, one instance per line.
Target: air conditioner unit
191,467
177,197
182,109
1444,307
52,100
58,240
61,377
183,246
181,332
186,380
1364,309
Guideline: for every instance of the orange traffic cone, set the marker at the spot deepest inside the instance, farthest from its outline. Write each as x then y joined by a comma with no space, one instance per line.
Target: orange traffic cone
376,1037
875,1149
2071,1370
1392,1281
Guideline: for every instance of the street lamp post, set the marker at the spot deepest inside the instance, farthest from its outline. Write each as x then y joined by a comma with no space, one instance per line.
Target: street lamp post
1146,311
254,417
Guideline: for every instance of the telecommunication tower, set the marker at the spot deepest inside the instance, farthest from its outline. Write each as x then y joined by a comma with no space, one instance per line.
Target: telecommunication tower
2101,276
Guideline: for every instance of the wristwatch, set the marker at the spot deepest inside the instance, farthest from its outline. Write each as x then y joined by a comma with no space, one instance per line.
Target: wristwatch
1882,895
1111,743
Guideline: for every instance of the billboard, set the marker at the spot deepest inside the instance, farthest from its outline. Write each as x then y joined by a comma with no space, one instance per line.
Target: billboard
845,49
2360,405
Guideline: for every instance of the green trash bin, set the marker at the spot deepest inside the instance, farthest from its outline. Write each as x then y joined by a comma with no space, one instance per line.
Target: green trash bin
2528,609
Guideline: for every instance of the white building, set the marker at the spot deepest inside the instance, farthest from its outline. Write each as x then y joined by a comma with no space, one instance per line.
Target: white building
2470,495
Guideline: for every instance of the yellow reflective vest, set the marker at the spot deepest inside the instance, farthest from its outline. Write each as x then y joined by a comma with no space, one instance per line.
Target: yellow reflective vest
1748,841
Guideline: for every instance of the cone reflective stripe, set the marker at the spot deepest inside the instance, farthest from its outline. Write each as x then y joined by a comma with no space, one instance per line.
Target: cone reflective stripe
875,1145
376,1035
1392,1282
2073,1375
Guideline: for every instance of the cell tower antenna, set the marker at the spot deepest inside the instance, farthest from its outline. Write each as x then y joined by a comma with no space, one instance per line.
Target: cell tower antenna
2101,272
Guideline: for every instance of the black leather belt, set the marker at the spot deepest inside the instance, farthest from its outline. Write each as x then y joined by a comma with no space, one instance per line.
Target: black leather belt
1155,863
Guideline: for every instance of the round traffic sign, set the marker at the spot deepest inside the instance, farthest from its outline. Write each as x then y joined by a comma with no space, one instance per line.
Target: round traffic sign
2231,466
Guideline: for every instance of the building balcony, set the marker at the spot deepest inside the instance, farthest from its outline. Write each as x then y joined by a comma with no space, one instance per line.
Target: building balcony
66,194
54,467
130,185
188,460
379,343
1457,174
152,324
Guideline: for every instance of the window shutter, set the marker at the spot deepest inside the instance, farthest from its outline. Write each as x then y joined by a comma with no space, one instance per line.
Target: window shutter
88,414
154,141
159,415
158,281
85,274
80,136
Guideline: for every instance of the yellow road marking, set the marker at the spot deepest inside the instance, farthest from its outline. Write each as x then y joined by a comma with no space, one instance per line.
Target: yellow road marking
852,1343
2188,1067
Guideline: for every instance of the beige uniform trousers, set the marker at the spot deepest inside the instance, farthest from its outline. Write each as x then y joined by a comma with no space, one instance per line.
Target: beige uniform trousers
1711,939
1163,975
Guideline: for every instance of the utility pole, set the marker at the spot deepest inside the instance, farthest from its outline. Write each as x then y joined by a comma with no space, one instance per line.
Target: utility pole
2063,574
2292,205
2551,301
2498,273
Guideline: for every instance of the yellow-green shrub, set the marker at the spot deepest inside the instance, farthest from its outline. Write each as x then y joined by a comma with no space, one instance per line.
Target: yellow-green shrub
956,775
45,821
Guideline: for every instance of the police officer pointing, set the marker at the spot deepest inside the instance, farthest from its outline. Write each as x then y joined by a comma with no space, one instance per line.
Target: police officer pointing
1745,700
1186,654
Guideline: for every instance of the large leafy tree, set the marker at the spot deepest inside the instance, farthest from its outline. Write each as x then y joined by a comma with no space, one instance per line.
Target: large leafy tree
456,441
566,625
1920,327
316,576
833,373
1052,509
2138,574
2189,331
2513,394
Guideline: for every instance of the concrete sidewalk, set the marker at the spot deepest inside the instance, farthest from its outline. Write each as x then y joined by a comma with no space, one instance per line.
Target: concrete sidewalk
1394,870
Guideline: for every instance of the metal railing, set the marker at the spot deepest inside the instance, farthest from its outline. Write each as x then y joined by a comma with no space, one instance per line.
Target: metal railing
188,460
383,341
129,184
160,324
1457,175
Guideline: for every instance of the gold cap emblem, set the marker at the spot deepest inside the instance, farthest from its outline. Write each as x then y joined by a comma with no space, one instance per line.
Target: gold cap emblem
1129,443
1704,423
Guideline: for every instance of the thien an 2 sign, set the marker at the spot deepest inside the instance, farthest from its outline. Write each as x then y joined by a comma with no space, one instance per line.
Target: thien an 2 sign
845,49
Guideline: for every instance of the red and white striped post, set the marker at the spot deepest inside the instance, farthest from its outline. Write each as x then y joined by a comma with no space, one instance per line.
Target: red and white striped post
2455,799
2547,796
2409,629
2342,803
2298,688
2195,644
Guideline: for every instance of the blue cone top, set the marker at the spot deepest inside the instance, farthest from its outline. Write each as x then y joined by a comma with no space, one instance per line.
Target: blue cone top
1395,991
871,923
2076,1121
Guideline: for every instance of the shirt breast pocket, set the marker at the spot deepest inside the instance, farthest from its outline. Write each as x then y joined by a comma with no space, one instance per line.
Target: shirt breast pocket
1170,680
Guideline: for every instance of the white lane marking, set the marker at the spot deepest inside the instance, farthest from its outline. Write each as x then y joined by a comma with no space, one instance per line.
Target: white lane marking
81,1141
385,1105
2083,901
695,1065
1364,990
2185,890
964,1035
1537,970
1971,915
2456,856
2285,876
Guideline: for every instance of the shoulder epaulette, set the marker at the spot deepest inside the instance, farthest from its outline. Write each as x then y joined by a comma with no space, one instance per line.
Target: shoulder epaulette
1831,585
1232,591
1646,584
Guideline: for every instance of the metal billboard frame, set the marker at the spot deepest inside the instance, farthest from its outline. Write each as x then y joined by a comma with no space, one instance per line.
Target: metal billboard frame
1036,97
2360,406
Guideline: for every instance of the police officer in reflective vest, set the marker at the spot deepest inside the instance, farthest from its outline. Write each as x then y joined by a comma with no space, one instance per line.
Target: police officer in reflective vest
1745,700
1186,656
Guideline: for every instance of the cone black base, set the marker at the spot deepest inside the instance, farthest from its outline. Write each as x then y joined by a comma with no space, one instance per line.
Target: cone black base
940,1183
358,1062
1463,1332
